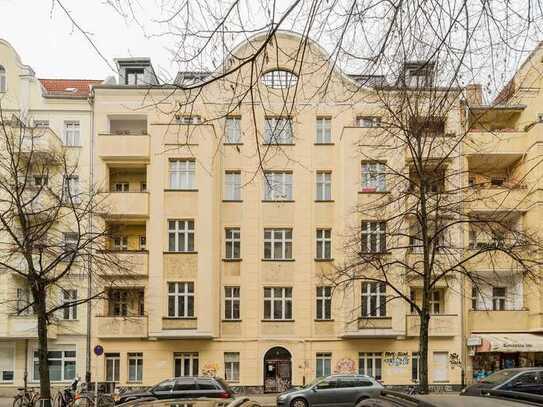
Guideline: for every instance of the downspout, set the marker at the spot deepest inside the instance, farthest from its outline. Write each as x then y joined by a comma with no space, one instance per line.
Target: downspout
463,353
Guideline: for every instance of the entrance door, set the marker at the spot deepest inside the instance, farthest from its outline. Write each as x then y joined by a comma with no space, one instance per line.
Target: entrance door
441,366
277,370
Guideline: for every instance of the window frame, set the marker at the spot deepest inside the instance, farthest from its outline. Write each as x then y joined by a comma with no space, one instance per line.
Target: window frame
137,73
69,295
232,185
285,244
182,174
232,242
323,185
283,300
182,232
7,376
324,244
499,301
321,359
137,358
115,374
232,367
64,360
232,303
371,369
279,79
368,296
278,186
193,359
369,122
323,130
373,229
3,79
278,130
232,130
323,303
72,133
373,176
185,291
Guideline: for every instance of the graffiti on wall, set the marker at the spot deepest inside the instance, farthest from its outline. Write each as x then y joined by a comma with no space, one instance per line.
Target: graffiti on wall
345,365
396,359
210,369
454,360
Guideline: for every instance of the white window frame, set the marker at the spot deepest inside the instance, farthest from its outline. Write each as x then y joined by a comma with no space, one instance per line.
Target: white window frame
120,243
134,76
282,300
232,186
435,302
71,189
182,293
63,360
368,121
277,185
232,131
137,358
324,244
231,366
182,172
121,187
373,291
188,119
232,297
278,130
373,176
323,187
194,363
69,295
499,302
324,130
232,241
376,358
284,241
324,303
112,361
118,302
7,365
279,79
72,133
41,123
182,231
323,364
374,234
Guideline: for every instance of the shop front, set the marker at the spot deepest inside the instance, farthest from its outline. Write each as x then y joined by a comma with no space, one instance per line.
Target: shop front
493,352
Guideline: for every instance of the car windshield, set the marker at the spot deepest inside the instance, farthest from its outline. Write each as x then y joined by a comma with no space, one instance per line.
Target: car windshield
498,377
314,382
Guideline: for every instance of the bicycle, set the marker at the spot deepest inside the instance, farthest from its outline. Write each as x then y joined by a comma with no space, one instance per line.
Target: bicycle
25,397
87,400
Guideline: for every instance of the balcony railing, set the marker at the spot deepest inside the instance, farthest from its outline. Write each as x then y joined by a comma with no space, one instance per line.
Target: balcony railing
125,204
499,321
440,325
123,146
43,140
26,327
121,327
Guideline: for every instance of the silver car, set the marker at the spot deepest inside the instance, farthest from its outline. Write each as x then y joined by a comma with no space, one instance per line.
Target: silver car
336,390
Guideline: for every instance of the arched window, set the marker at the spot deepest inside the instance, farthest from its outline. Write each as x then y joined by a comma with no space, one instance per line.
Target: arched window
3,79
279,79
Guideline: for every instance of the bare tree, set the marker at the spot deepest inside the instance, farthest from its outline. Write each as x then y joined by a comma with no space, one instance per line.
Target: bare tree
47,232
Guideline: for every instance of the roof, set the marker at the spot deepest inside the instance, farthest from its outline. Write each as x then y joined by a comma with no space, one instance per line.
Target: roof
68,87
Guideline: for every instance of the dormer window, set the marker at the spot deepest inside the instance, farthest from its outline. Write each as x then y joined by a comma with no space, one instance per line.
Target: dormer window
3,80
134,77
279,79
418,74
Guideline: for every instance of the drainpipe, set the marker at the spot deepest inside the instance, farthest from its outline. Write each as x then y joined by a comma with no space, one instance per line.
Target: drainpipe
463,353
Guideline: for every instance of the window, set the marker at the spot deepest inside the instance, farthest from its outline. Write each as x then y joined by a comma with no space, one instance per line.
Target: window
61,365
113,366
180,119
41,124
324,186
71,241
118,303
185,364
120,243
3,80
233,243
232,186
71,189
231,303
233,130
373,177
413,299
70,311
122,187
143,242
143,186
370,364
474,295
134,77
368,121
278,303
324,302
135,367
324,244
324,130
181,300
41,180
323,364
441,366
181,235
277,244
435,302
415,366
231,366
373,299
7,362
182,174
277,186
373,237
279,79
24,303
498,298
278,130
72,133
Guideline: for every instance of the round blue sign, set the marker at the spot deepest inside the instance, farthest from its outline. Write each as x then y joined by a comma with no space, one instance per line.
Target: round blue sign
98,350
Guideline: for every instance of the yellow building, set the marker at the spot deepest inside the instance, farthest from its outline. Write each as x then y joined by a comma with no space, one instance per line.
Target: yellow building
60,109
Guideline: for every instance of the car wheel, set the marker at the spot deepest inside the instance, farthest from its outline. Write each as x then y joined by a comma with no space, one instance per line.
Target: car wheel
299,402
360,400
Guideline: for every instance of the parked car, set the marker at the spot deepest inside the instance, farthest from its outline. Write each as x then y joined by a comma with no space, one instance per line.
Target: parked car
523,380
394,399
182,388
335,390
200,402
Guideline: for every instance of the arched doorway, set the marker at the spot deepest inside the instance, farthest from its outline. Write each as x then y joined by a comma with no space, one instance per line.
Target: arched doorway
277,370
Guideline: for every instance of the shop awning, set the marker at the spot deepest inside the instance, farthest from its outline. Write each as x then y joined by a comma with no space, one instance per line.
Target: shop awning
509,342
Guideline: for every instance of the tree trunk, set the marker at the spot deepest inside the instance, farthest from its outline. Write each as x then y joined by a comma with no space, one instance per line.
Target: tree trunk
423,351
40,300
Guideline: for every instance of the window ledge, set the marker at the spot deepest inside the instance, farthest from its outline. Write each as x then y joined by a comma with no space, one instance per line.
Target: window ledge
64,145
182,144
278,200
181,318
277,320
324,260
324,144
374,192
231,320
373,253
369,317
232,200
233,144
323,320
232,260
167,252
287,260
324,200
278,144
179,190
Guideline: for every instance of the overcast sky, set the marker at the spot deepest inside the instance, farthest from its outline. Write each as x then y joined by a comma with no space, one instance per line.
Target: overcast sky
47,42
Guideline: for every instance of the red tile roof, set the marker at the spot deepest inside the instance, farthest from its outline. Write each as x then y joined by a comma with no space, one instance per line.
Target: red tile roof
68,87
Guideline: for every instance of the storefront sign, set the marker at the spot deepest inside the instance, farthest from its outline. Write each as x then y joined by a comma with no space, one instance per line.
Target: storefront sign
475,341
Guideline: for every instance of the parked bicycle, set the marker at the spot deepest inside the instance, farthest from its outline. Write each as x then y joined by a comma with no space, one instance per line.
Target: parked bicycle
25,397
66,397
412,391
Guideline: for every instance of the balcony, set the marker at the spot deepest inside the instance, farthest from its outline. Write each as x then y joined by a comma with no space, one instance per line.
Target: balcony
372,327
26,327
136,263
495,142
497,198
125,204
499,321
440,325
121,327
128,147
41,141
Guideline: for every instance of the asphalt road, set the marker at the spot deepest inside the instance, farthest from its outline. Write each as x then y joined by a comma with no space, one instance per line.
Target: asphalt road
454,400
